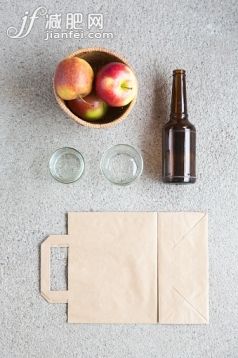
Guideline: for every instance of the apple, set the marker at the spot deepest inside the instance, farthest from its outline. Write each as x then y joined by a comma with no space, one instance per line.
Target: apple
73,78
90,107
116,84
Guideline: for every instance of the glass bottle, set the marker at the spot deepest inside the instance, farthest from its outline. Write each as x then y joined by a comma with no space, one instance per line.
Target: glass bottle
179,137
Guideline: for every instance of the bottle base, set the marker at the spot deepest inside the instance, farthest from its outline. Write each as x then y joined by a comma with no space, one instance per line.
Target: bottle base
179,179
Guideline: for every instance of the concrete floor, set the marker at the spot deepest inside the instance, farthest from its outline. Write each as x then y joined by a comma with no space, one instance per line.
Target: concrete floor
155,37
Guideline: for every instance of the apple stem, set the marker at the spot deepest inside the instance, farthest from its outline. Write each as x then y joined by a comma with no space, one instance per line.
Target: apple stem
90,104
130,88
82,99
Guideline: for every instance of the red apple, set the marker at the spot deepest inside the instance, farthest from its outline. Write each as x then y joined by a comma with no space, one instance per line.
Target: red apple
73,78
116,84
90,107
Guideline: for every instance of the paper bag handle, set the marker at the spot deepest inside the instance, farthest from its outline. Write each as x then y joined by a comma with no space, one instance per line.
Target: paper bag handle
46,292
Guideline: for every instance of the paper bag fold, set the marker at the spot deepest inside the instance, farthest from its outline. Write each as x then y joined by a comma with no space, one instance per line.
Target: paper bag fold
182,268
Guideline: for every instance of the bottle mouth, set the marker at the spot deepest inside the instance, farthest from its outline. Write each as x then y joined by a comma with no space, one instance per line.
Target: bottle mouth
179,71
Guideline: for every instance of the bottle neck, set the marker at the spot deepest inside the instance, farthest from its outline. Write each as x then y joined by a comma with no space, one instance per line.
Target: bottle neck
179,98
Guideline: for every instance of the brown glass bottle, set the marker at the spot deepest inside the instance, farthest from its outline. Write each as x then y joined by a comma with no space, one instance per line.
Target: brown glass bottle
179,137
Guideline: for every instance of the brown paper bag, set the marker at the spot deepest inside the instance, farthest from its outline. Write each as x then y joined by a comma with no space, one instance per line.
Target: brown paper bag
132,268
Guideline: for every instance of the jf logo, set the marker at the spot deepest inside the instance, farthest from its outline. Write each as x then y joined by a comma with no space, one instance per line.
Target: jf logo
12,31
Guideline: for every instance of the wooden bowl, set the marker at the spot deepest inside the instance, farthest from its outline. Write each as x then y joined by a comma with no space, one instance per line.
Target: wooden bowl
98,57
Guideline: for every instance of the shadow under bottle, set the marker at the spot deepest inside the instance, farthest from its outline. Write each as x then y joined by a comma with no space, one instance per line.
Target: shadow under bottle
179,137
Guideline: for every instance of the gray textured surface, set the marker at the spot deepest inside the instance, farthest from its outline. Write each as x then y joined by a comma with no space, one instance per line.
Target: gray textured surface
156,37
